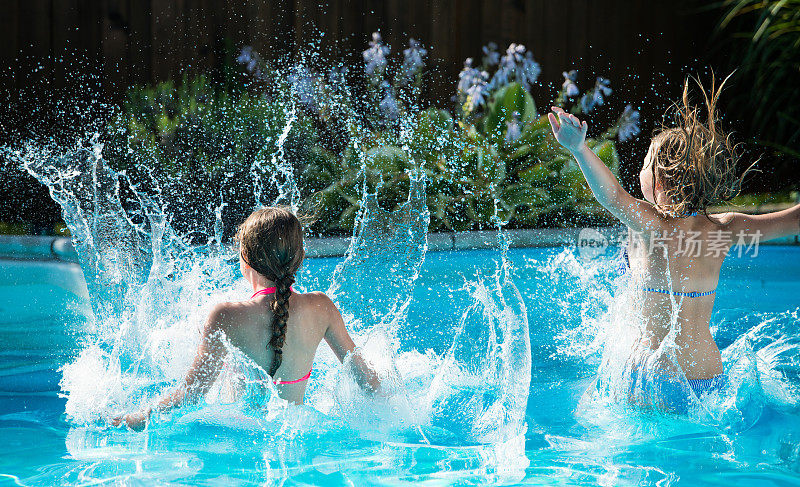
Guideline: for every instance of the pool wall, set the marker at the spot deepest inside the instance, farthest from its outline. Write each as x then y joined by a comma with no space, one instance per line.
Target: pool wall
37,248
60,248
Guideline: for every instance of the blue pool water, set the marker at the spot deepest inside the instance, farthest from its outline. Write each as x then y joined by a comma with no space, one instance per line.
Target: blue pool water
45,319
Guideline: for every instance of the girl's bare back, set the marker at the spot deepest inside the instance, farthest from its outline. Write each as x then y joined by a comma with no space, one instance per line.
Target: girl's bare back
313,317
688,168
683,260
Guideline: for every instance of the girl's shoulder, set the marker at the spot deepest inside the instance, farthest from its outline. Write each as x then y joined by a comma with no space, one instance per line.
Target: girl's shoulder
308,307
722,219
229,312
317,301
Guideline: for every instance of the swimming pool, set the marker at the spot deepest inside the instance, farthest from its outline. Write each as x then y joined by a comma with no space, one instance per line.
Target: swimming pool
43,322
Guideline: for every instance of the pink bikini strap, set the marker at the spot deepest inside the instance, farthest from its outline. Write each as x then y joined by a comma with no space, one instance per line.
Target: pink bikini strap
301,379
267,290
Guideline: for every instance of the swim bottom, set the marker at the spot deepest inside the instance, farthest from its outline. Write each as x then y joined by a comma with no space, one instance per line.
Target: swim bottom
672,394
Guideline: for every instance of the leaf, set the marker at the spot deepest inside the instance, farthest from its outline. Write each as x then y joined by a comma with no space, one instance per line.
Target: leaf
523,194
536,132
573,177
536,174
487,165
431,134
607,152
561,195
510,99
434,120
386,159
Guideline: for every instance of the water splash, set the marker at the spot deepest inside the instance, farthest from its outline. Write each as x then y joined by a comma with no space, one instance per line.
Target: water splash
114,252
373,285
282,176
152,286
759,360
485,377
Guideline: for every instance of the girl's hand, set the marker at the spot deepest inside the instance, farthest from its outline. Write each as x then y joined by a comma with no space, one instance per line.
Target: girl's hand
135,421
567,129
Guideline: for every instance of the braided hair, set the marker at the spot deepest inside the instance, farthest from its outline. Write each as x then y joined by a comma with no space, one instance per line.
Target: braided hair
271,243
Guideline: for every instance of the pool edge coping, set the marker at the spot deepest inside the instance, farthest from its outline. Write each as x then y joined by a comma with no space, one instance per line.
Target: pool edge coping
26,247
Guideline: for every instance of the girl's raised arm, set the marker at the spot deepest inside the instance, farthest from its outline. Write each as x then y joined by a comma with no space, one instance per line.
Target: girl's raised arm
571,133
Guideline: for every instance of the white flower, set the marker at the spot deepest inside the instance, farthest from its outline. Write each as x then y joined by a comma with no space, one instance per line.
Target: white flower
569,85
490,55
513,131
375,56
412,61
628,124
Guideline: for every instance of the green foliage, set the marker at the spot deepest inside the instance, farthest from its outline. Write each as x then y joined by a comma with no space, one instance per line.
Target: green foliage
470,166
758,199
510,104
498,163
196,142
764,49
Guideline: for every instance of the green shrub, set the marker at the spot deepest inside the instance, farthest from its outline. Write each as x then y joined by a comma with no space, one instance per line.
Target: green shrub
493,161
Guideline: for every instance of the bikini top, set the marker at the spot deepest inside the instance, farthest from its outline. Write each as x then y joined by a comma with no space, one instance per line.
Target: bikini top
271,290
690,294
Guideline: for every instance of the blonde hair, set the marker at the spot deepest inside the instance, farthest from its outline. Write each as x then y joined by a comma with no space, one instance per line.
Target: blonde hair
271,242
695,162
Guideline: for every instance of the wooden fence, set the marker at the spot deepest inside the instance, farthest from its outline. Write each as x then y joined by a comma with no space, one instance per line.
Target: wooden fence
142,41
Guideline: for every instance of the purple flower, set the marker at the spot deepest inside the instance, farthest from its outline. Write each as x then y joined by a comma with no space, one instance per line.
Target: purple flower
569,86
528,72
490,55
476,95
412,61
337,75
513,130
596,96
602,87
375,56
466,75
501,77
514,55
251,60
516,65
388,105
472,85
248,57
628,125
303,83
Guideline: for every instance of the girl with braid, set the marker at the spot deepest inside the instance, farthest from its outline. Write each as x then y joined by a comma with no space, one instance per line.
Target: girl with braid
278,328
